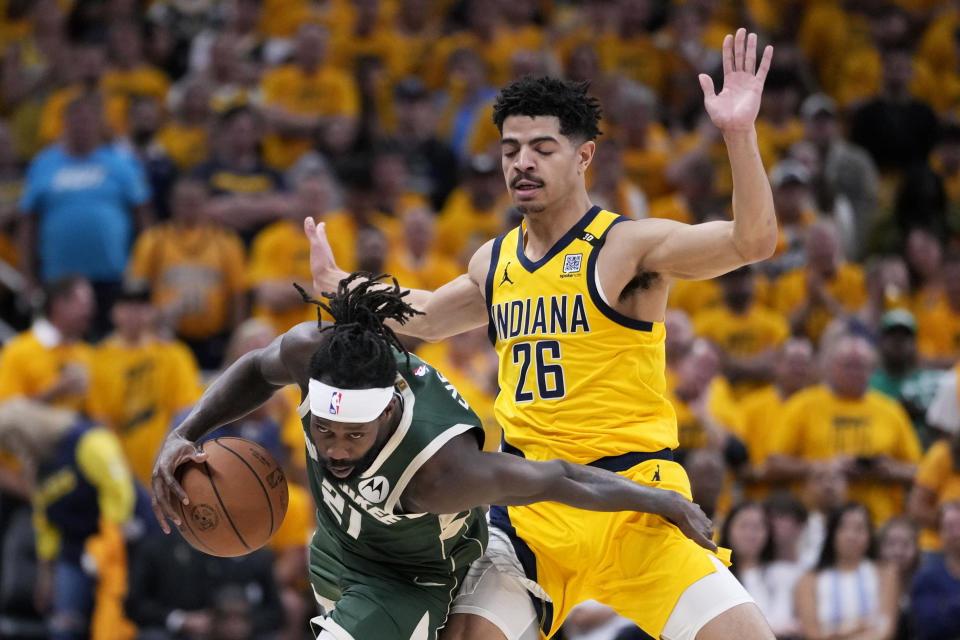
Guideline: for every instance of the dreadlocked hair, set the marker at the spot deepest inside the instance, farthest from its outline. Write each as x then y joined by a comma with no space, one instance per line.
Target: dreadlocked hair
358,350
579,112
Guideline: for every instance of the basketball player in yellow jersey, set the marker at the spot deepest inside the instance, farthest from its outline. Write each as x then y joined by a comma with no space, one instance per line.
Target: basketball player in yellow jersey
574,300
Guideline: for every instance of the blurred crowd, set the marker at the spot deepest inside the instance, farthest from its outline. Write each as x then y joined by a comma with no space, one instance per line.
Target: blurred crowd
158,157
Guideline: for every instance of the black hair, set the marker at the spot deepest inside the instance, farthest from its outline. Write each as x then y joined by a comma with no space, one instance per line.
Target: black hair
579,113
766,553
59,289
358,350
828,554
785,503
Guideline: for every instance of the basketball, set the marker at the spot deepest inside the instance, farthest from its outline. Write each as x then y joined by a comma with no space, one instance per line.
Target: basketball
238,498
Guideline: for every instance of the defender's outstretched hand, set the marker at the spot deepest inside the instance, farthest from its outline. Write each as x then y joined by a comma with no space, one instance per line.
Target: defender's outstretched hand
326,274
736,106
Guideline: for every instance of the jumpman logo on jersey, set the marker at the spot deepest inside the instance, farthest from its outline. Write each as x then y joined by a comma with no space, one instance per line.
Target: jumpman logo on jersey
656,475
506,276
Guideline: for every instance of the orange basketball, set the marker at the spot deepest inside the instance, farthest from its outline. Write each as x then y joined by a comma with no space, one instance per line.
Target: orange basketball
238,497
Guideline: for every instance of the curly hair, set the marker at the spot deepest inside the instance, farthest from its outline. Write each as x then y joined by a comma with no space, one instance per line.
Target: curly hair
358,352
579,113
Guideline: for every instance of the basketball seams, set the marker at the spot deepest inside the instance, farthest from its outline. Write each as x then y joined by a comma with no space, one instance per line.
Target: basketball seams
213,486
266,494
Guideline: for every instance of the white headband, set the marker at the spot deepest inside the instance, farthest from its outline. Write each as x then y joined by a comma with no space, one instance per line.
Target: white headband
348,405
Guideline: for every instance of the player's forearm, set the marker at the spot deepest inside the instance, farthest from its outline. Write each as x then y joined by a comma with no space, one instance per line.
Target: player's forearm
754,221
235,393
593,489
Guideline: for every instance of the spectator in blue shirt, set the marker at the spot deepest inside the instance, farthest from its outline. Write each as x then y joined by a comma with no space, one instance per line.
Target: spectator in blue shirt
935,595
82,202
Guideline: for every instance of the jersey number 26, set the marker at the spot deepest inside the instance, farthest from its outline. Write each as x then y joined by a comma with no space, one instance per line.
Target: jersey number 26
543,356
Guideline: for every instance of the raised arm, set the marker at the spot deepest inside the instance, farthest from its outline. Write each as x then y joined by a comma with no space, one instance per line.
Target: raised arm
456,307
706,250
245,385
460,477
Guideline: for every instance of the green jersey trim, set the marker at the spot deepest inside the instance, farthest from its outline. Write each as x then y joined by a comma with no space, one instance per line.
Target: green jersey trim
420,459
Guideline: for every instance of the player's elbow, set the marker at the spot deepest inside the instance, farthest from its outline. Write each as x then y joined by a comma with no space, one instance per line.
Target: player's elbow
758,247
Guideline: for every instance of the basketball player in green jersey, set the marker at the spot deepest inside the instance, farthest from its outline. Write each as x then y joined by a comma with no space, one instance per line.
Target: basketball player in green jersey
396,467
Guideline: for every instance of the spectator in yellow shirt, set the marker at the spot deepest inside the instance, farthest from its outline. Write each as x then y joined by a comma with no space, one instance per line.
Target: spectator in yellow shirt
747,334
794,370
863,432
416,262
195,269
280,255
129,74
50,362
793,202
938,330
184,137
139,381
937,482
646,144
826,287
304,99
472,214
88,62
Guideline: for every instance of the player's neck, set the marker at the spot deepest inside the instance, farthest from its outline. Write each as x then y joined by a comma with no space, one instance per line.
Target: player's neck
546,227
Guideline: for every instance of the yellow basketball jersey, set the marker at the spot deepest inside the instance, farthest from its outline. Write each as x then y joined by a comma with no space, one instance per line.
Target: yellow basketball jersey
578,380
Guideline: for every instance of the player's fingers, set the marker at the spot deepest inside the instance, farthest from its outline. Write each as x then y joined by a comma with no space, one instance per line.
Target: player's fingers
750,55
174,487
309,226
728,54
706,83
739,42
765,63
158,513
198,455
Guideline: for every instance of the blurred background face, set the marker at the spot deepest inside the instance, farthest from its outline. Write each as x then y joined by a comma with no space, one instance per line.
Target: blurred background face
73,313
852,538
795,367
738,290
790,199
821,129
748,533
898,348
850,367
241,134
823,250
145,119
196,103
950,529
88,63
188,202
698,368
418,228
898,545
785,529
125,43
416,118
389,173
310,46
924,254
826,488
132,319
484,187
84,124
679,336
951,281
314,195
371,250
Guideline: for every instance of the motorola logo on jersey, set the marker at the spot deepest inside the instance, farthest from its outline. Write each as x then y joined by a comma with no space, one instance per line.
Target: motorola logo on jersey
374,489
335,398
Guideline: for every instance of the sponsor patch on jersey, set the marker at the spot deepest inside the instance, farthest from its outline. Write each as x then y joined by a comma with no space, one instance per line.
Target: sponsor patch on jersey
421,371
335,399
374,489
571,262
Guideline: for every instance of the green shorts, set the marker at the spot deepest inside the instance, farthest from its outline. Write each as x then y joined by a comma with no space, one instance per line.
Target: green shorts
380,606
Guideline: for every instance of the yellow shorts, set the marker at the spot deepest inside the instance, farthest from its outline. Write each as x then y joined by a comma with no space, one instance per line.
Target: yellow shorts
637,563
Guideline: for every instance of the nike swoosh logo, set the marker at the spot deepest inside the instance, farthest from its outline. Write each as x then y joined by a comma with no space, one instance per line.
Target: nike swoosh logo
418,582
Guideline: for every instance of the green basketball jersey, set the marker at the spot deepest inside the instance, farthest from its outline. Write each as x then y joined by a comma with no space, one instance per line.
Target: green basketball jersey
362,528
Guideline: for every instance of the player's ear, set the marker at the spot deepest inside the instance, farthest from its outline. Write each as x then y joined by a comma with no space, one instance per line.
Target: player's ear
585,154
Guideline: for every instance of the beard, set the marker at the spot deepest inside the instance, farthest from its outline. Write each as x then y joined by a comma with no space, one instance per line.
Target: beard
531,208
359,465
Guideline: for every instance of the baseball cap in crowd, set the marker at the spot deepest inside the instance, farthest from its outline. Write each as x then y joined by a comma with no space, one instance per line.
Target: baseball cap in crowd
898,318
818,104
789,171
